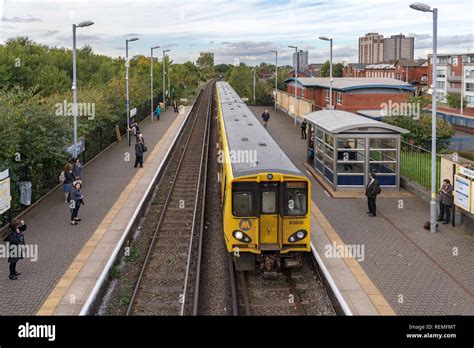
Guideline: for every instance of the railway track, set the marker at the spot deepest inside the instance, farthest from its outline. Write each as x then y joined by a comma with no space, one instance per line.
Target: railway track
169,279
296,292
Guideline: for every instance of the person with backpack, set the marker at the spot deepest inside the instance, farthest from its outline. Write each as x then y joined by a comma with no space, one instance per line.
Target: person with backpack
16,240
371,191
67,178
265,117
76,202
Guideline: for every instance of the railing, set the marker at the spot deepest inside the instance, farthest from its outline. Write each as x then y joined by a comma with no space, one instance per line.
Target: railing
415,164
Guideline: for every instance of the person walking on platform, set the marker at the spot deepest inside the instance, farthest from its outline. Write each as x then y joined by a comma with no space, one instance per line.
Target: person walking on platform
157,112
77,169
371,191
67,177
445,201
265,117
304,124
76,202
16,240
139,150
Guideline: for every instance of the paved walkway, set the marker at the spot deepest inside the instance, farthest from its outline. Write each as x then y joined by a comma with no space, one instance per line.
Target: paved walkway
49,225
418,273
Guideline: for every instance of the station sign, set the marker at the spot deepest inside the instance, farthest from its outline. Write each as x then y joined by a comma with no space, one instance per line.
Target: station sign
80,147
133,112
5,193
466,172
462,192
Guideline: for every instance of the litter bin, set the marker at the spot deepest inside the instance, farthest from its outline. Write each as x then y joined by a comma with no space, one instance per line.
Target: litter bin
25,192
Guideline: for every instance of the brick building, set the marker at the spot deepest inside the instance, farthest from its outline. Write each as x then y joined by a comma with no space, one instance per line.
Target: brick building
352,94
449,75
354,70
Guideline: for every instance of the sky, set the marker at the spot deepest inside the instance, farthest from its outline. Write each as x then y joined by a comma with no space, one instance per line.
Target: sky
236,31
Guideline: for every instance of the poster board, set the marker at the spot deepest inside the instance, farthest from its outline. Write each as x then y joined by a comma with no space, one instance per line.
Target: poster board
462,193
5,194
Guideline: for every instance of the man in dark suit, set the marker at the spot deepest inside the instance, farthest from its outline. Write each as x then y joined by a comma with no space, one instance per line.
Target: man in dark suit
371,191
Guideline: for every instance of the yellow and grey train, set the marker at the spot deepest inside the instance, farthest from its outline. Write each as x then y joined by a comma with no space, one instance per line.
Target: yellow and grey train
265,198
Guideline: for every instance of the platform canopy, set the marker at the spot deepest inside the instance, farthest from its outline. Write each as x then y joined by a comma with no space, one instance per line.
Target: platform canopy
338,121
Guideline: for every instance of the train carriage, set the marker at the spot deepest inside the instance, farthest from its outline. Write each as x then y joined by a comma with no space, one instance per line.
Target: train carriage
265,198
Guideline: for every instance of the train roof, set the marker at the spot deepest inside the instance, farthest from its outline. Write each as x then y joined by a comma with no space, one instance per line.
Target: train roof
245,132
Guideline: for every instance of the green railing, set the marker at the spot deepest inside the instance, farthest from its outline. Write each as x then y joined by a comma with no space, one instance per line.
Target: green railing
415,164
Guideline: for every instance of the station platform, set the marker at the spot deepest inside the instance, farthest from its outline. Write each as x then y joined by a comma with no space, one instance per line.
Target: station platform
71,259
403,268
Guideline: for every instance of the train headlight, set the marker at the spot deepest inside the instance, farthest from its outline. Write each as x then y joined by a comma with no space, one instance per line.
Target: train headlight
297,236
270,176
241,236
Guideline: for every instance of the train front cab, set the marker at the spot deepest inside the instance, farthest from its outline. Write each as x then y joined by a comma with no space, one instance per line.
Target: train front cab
269,222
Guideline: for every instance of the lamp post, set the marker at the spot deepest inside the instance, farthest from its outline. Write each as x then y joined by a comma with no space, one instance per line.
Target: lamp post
296,79
462,85
169,82
276,77
151,81
127,65
74,89
254,83
324,38
164,81
425,8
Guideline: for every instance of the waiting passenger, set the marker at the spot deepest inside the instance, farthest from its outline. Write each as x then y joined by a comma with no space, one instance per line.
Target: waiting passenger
265,117
304,124
371,191
445,201
15,239
158,112
76,202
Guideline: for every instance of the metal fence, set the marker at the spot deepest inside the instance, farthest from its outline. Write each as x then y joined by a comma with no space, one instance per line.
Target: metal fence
415,164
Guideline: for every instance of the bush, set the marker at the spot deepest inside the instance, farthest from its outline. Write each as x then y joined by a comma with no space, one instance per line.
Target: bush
454,101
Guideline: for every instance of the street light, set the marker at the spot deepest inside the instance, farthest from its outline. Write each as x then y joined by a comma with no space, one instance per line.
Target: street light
169,82
276,76
254,82
296,79
324,38
127,64
164,81
425,8
151,77
74,91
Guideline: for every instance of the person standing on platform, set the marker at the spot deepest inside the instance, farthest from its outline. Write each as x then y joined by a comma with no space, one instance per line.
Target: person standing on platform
157,112
265,117
445,201
76,202
175,106
15,239
371,191
77,169
304,124
139,153
68,180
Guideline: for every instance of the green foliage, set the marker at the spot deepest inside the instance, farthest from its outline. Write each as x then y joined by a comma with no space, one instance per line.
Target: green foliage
423,100
454,101
205,64
336,69
420,130
35,79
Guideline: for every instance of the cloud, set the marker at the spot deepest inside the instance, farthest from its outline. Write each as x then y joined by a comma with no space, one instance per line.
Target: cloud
426,41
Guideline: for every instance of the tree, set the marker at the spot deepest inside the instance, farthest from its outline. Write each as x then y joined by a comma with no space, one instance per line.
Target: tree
420,130
337,69
205,64
454,101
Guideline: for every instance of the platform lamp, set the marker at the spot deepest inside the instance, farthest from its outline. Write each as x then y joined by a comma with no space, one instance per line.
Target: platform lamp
164,80
296,78
276,76
324,38
426,8
151,82
127,65
74,89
